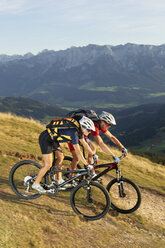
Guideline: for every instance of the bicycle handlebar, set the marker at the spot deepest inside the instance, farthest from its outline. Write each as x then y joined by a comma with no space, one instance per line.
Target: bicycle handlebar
122,156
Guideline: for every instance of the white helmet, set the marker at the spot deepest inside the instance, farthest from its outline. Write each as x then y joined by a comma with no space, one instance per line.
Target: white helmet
87,123
107,117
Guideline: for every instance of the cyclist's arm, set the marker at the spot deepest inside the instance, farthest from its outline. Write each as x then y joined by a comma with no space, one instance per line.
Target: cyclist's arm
114,139
79,154
102,145
86,146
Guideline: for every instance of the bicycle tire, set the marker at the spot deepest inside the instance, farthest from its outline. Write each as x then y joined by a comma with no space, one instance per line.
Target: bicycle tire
87,206
17,178
130,199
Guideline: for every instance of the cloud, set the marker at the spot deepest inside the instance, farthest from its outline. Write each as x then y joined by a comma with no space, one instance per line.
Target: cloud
82,9
9,6
18,6
83,21
21,6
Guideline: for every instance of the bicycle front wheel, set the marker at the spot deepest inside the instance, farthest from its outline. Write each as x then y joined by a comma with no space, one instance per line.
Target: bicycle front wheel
90,200
22,176
125,195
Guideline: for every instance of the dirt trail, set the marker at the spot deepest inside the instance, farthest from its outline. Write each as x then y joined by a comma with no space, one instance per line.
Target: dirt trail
152,206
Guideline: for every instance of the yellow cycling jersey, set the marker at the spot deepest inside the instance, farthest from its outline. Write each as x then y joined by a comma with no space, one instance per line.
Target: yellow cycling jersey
56,125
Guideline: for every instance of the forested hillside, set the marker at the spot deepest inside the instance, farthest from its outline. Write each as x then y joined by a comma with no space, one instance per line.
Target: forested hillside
30,108
141,128
50,222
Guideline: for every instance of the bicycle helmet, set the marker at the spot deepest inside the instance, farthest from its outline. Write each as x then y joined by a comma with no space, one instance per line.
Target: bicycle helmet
87,123
107,117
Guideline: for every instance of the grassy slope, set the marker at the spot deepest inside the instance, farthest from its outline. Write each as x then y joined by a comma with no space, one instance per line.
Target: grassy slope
49,221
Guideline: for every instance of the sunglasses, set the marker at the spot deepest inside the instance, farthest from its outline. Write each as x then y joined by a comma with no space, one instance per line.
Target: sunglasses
88,130
108,124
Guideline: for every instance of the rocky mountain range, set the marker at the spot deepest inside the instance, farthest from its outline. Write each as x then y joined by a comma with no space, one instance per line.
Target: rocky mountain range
95,76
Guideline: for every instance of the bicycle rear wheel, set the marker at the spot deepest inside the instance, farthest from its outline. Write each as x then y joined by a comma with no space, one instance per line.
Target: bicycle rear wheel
90,200
125,195
22,176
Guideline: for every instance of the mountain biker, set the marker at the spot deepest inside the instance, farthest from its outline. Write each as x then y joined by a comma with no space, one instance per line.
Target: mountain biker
47,145
106,120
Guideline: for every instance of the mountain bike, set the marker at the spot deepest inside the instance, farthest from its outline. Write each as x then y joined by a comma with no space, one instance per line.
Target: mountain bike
88,198
124,193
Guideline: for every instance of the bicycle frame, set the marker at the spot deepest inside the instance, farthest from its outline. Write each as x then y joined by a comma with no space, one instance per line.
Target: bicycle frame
84,172
81,172
110,166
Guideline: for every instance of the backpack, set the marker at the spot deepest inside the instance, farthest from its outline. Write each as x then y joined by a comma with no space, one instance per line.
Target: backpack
78,114
62,123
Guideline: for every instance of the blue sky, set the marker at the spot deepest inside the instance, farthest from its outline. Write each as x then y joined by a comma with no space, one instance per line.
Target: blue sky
35,25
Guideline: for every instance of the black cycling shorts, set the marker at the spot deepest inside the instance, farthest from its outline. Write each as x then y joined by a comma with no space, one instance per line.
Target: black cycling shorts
47,145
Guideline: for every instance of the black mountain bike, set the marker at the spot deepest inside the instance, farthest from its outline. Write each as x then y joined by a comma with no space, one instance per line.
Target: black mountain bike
88,198
124,193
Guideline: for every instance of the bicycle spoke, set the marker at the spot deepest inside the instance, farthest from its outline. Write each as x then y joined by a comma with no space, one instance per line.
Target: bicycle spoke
22,178
125,195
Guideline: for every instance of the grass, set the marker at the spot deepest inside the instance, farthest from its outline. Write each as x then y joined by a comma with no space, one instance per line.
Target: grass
99,106
15,135
49,222
156,94
112,89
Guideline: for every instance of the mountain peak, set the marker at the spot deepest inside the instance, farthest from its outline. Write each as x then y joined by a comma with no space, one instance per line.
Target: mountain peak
103,75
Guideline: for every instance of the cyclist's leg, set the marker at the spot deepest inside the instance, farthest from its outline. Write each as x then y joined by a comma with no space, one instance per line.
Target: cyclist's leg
46,146
59,160
93,148
74,163
46,165
75,160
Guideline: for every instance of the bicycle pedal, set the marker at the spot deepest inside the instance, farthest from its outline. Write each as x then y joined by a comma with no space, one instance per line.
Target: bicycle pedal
52,190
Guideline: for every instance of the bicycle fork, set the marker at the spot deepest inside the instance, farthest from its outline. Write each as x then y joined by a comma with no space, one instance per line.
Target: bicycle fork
89,195
120,183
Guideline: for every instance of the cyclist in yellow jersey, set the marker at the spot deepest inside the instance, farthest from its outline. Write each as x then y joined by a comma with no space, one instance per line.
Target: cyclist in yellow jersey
47,145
